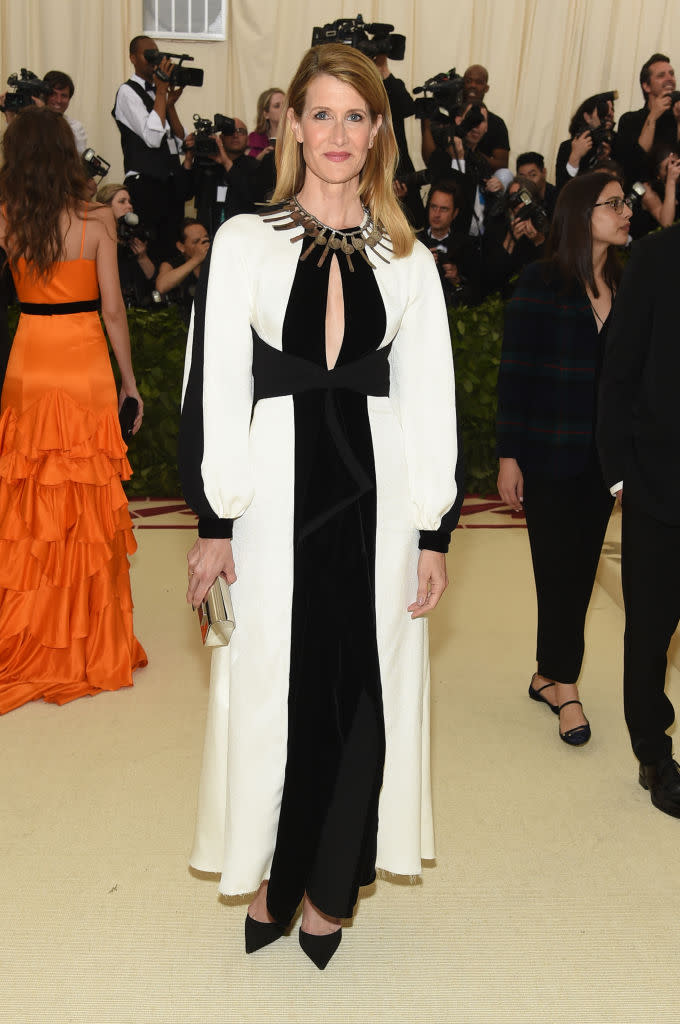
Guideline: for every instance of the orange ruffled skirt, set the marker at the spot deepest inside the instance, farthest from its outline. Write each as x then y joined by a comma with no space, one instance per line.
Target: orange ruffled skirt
65,530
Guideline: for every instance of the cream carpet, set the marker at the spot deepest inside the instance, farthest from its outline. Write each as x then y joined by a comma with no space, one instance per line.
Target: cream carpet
554,896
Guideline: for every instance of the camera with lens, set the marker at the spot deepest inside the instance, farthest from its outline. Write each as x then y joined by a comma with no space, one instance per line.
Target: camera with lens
637,190
523,206
604,132
95,166
26,85
179,76
205,147
356,33
129,228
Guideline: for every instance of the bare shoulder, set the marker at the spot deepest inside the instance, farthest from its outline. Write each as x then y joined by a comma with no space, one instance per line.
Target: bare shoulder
101,224
99,215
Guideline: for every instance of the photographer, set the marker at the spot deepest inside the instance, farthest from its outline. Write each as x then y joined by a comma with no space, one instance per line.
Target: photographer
402,106
54,91
659,205
456,156
136,270
225,181
657,123
531,165
515,240
178,277
495,145
151,135
454,252
60,95
592,138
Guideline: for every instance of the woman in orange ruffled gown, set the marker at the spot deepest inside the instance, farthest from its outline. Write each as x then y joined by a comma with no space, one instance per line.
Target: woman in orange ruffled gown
65,531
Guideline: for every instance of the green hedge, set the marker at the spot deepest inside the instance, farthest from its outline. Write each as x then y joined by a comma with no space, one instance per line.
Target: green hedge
476,338
158,340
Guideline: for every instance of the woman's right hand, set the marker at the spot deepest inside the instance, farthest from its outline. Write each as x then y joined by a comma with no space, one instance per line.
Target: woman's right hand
511,484
209,558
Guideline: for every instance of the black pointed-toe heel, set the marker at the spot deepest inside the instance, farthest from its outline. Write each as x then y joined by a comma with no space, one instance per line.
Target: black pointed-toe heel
536,695
261,933
580,734
320,948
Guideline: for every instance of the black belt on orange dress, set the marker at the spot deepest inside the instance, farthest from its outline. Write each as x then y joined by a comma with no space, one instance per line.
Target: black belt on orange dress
59,308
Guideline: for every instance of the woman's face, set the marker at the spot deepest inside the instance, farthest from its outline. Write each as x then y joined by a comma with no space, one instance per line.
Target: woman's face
335,130
608,226
121,204
273,111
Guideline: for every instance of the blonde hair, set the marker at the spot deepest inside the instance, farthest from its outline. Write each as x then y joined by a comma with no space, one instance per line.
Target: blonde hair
106,193
376,182
263,101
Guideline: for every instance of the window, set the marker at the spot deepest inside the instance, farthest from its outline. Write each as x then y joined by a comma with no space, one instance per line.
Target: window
185,19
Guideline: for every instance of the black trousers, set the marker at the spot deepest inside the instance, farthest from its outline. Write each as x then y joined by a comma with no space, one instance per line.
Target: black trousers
160,208
566,522
650,563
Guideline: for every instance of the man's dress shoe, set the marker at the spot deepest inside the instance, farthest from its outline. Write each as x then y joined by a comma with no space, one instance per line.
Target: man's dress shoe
662,779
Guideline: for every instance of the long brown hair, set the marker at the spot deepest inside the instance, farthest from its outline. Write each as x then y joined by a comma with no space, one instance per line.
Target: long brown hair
570,244
263,101
377,176
42,175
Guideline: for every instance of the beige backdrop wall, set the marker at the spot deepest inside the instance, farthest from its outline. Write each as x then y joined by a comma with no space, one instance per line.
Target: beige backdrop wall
544,56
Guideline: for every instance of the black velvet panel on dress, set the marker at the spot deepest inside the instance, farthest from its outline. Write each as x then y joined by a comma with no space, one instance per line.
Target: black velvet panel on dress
328,823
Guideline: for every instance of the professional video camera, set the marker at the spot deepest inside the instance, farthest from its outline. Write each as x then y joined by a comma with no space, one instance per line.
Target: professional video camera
354,32
205,146
95,166
523,206
26,85
179,76
447,93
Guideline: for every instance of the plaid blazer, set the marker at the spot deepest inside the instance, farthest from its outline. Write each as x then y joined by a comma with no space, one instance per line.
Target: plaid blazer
547,382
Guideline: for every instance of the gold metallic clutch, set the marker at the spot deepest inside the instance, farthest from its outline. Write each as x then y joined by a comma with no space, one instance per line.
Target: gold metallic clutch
216,615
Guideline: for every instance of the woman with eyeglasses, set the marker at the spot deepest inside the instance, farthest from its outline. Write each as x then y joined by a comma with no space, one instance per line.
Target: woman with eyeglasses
552,345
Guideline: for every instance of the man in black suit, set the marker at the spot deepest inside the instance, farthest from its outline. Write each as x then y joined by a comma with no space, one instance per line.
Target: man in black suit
656,123
639,443
228,182
455,253
531,165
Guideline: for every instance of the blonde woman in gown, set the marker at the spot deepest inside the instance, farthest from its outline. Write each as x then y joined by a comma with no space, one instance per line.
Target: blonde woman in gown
318,447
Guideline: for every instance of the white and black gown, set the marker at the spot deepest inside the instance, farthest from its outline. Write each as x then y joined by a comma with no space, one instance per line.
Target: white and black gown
316,761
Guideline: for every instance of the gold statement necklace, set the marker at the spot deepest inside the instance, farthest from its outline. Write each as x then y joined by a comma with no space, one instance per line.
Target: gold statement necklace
368,236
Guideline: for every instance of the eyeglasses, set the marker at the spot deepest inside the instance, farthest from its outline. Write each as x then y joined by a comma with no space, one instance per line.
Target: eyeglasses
616,203
240,131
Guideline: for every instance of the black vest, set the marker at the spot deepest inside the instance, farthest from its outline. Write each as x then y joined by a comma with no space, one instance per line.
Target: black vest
137,156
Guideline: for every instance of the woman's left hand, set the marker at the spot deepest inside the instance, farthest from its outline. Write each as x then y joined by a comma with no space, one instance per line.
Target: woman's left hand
432,582
132,392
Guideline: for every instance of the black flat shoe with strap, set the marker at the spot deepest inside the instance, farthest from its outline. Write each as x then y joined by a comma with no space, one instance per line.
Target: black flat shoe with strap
536,694
580,734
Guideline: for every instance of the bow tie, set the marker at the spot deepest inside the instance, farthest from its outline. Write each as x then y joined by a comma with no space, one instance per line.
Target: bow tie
149,86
